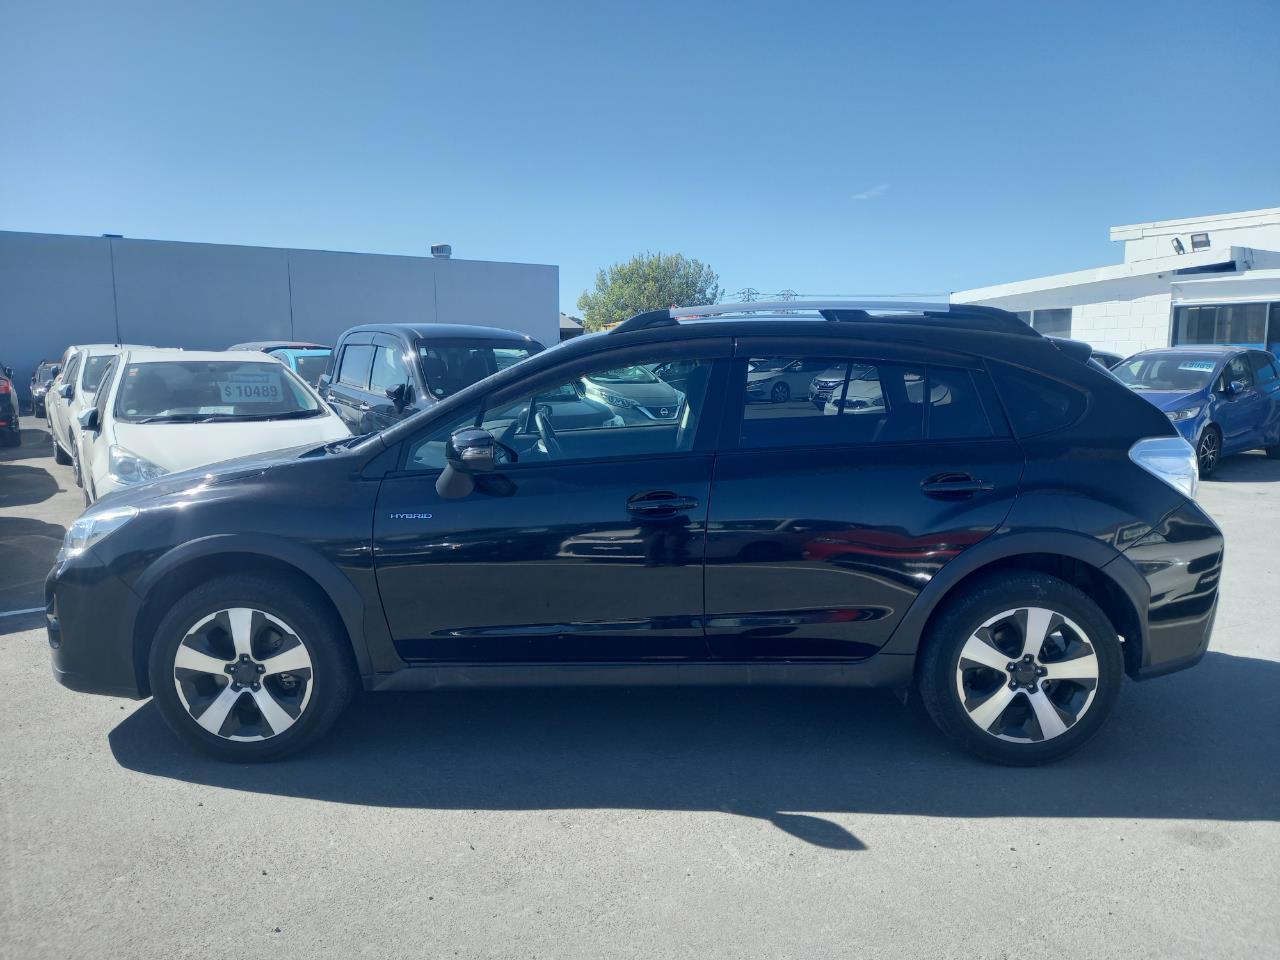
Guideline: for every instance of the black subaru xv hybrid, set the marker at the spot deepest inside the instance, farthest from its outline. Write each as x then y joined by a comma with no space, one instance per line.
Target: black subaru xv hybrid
995,522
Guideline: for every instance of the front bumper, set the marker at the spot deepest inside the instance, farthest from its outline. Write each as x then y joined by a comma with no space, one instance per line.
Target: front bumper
1181,560
89,618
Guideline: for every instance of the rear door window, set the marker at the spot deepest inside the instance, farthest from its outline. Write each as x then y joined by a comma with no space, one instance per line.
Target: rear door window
354,369
1035,403
1264,368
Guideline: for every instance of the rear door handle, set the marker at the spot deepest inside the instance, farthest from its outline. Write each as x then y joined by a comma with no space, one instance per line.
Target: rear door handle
949,486
660,503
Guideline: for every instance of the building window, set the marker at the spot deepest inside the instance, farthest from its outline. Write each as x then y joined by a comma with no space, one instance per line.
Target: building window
1242,324
1051,323
1199,241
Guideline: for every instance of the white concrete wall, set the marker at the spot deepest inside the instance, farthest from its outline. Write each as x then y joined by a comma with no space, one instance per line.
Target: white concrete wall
60,290
1245,228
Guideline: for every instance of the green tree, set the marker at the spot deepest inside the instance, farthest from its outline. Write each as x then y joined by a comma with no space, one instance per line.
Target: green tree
648,281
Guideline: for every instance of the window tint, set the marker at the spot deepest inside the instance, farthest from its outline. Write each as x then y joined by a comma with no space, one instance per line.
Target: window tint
799,401
1264,367
73,367
388,370
94,367
955,409
104,388
1238,369
1036,404
450,365
356,360
622,411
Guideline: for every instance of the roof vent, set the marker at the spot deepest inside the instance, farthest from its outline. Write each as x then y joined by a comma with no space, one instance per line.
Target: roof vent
441,251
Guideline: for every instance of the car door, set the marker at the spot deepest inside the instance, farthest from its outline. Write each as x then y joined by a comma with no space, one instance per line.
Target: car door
59,411
1239,407
349,389
391,390
95,445
1266,381
825,524
586,545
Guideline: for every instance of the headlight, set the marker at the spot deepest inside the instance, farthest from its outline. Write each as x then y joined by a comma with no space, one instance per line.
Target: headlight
612,399
130,468
1186,413
92,527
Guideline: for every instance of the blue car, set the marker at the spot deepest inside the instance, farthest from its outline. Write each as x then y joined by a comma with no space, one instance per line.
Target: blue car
1223,400
307,360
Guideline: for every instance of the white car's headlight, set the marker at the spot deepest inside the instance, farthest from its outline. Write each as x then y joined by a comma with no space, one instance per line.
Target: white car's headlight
91,528
130,468
1186,413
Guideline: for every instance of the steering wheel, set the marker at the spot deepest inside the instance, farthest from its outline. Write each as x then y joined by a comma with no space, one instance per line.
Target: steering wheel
548,434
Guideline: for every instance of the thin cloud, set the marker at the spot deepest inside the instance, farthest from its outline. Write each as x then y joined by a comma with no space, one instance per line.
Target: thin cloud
879,190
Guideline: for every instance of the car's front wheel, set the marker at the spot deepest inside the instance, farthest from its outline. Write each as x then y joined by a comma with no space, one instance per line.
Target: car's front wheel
250,669
780,393
1023,669
1209,449
60,456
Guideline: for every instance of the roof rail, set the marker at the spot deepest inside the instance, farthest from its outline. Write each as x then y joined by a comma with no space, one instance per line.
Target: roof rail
878,310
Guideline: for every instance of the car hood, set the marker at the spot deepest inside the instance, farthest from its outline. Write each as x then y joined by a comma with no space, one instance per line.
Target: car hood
755,376
185,446
1170,399
647,394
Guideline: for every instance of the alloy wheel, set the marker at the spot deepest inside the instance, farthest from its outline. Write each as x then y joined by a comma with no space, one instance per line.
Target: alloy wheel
1208,450
1027,675
243,674
781,393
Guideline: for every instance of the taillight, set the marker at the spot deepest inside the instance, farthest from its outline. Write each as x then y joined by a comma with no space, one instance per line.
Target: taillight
1171,459
4,385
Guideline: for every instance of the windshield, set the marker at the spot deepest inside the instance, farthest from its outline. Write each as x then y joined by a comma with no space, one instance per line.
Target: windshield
311,366
634,374
199,390
44,372
450,365
1183,372
94,368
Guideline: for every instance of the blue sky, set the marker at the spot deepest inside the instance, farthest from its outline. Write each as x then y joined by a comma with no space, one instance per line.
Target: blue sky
824,147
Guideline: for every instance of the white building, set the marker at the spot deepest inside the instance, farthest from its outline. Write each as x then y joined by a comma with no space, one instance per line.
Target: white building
1196,280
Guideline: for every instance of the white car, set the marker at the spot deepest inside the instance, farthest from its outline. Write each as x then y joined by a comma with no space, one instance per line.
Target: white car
163,411
73,393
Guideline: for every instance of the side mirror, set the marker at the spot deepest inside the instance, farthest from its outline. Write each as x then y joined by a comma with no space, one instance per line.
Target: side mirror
89,419
57,369
67,391
1236,386
398,394
470,451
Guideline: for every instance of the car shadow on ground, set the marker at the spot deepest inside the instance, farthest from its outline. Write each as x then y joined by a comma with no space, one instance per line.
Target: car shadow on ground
36,443
27,550
1199,745
1255,467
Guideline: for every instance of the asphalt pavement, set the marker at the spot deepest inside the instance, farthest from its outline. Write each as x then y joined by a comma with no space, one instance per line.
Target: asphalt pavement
644,823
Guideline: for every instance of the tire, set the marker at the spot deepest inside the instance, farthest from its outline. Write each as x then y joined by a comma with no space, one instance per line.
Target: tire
303,700
1002,715
780,393
1209,450
60,455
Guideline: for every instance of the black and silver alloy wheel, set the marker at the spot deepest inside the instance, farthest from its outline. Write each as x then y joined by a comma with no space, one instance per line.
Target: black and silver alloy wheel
1027,675
1020,667
243,674
1208,450
251,668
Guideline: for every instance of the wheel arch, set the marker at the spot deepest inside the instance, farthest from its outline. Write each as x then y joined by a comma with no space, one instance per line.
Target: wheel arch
1104,574
201,560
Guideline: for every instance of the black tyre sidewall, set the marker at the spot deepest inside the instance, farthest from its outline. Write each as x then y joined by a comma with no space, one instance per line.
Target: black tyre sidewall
334,676
957,622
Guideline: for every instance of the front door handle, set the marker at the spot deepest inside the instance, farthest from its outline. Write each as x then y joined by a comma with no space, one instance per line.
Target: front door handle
660,503
954,486
365,408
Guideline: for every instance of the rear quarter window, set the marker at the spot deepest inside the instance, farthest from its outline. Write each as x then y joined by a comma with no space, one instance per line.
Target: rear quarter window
1035,403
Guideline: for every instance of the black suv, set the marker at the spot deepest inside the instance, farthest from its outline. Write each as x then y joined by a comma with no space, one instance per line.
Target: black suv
381,373
999,524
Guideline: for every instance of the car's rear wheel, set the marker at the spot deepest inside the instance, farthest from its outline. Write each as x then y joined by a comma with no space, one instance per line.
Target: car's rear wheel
780,393
1021,670
1209,449
250,669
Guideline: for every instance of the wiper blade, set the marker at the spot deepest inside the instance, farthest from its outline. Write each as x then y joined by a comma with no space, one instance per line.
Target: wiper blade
173,418
254,417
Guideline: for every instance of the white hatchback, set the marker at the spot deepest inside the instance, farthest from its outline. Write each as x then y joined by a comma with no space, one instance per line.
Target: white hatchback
162,411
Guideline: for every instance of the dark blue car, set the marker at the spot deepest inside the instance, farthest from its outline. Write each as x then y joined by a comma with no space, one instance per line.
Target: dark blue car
1223,400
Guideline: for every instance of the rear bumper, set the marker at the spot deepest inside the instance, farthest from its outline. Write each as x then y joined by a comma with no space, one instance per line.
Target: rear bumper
89,618
1181,560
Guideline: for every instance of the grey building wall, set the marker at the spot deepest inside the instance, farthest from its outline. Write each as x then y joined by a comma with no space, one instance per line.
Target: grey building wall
60,290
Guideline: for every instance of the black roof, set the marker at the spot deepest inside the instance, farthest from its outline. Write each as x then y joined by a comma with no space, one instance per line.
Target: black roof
440,331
